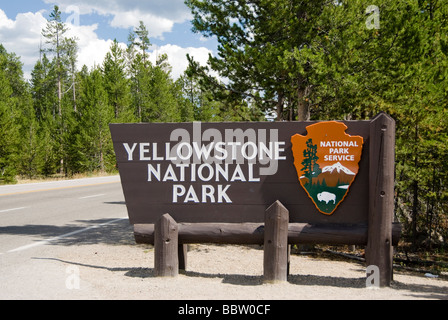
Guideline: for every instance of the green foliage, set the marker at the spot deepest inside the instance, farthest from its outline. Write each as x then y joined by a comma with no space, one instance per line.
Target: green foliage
14,97
116,84
92,144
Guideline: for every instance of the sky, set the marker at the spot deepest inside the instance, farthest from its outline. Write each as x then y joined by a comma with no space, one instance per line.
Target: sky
96,23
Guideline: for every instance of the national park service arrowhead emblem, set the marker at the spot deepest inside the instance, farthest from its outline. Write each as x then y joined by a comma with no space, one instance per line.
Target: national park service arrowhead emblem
327,162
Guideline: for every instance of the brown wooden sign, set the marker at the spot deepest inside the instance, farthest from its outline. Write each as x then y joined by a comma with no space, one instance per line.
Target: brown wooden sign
271,183
231,172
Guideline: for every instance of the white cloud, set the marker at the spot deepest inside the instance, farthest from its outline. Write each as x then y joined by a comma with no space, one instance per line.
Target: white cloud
159,16
4,21
157,25
23,36
177,57
91,49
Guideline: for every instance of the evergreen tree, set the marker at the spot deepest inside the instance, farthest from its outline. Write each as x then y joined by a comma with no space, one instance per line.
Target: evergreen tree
54,33
45,105
9,143
211,102
300,59
156,96
141,40
310,167
417,99
256,43
31,146
64,51
159,97
18,145
43,82
92,143
117,84
71,57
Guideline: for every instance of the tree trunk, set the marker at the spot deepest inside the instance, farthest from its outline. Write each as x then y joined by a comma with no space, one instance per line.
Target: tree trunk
302,105
74,89
280,102
415,187
59,75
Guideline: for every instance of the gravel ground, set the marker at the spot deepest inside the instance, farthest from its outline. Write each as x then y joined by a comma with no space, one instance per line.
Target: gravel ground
120,269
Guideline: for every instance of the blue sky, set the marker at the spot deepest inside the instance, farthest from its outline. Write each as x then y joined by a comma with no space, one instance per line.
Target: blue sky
96,23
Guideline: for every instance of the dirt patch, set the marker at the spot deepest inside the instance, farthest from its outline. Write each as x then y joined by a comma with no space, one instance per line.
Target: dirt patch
218,272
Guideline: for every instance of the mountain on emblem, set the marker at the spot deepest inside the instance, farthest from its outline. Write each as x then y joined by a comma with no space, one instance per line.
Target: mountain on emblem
327,162
338,167
335,175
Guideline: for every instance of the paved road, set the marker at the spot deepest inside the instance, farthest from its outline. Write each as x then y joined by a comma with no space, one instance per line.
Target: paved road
37,219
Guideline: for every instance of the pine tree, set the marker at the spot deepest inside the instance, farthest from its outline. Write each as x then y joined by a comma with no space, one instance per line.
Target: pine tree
210,102
92,143
117,84
45,105
417,99
156,96
31,147
54,33
159,98
301,59
15,101
43,82
71,56
141,40
64,50
310,168
8,132
257,40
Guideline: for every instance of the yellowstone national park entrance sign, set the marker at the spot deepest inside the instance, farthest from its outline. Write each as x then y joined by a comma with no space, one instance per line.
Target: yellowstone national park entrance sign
271,183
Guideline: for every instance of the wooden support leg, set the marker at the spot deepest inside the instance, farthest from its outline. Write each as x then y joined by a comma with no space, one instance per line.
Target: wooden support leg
166,259
276,243
289,261
379,250
182,253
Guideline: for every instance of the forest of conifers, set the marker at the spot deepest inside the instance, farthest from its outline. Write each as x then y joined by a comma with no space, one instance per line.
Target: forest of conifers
283,60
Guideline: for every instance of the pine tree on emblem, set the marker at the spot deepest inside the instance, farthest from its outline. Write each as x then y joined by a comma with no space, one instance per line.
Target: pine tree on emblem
310,168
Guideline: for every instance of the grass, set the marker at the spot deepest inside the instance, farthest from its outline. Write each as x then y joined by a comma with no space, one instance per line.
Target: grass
59,177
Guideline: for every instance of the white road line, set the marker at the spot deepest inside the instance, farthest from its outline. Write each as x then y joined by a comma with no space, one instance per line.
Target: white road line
56,185
95,196
44,242
14,209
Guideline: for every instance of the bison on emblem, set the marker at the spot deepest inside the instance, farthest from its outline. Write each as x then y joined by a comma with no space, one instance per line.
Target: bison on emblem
327,197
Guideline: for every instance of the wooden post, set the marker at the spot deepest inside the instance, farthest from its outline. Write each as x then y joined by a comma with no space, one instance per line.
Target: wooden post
276,243
166,260
182,254
379,250
289,261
